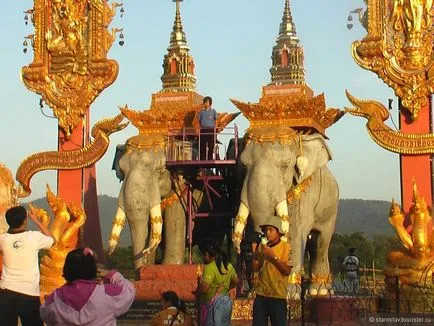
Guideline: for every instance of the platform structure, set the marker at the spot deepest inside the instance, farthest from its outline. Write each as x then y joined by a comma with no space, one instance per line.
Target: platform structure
201,171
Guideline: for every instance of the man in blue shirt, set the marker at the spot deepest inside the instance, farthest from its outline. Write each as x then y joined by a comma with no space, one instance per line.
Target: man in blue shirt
207,120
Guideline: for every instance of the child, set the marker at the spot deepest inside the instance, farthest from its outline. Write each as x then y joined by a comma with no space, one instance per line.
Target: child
84,300
173,313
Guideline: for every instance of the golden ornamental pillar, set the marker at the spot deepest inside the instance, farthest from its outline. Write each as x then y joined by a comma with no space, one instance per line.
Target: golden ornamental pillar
69,70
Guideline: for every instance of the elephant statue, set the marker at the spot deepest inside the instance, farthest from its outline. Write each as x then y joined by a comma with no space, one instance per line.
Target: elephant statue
147,190
289,178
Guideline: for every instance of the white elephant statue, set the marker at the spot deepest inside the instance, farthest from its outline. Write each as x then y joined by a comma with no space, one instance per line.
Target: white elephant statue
290,179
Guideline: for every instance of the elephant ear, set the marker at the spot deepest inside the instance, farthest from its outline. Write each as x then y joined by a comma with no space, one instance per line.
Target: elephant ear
120,151
315,155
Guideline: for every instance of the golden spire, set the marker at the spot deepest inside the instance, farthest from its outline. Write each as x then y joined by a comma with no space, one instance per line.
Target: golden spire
178,64
287,54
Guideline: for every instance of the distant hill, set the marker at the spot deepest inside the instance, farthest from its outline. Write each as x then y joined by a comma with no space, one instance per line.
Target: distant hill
354,215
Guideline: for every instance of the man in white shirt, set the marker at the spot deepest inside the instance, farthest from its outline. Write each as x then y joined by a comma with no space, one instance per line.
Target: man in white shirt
19,283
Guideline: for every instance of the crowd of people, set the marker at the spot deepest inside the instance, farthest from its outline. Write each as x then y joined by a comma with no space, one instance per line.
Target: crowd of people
91,298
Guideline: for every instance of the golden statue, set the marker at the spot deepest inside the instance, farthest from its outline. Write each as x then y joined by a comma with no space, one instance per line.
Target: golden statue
414,264
8,195
68,218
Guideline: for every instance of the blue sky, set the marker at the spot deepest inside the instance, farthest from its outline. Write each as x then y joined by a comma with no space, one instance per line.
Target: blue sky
231,42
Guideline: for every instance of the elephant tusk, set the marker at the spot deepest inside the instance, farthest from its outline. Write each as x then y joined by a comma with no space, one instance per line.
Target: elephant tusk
240,224
156,229
118,225
282,212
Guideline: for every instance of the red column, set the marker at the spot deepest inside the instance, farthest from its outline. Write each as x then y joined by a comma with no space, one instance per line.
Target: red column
79,186
417,167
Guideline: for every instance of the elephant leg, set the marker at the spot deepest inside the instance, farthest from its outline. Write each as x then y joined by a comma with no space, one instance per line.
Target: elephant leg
298,234
174,226
321,278
139,235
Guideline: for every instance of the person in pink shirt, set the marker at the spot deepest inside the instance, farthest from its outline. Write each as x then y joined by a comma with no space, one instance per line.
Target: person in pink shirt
84,300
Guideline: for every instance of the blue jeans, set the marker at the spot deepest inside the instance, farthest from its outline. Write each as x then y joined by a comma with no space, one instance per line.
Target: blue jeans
273,308
219,311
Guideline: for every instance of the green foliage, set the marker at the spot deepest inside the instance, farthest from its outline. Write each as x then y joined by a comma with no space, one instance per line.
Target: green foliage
122,260
367,250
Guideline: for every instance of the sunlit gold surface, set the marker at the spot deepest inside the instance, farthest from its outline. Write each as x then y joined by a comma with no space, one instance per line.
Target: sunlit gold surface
8,195
386,137
69,160
65,227
295,192
70,66
415,263
398,48
280,112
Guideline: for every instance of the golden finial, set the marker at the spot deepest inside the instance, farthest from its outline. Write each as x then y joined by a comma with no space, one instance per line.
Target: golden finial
178,63
287,55
287,27
178,38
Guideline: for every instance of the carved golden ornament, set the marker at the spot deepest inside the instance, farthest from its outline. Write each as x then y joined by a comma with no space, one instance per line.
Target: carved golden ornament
156,219
296,111
294,278
242,310
398,48
321,279
8,195
119,223
156,236
285,218
412,263
295,192
69,160
70,66
237,237
65,226
394,141
241,220
168,202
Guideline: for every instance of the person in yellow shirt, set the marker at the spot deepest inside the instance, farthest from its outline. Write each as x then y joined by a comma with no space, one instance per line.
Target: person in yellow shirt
272,261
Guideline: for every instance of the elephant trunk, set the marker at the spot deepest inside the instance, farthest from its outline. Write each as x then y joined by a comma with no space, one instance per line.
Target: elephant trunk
240,224
156,229
118,225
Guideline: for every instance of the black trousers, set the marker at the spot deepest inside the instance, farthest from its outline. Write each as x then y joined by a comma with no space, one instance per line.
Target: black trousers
206,141
273,308
14,305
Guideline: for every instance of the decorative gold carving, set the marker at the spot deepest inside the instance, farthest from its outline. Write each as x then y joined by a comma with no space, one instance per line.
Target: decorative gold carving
295,192
242,310
119,223
280,112
398,48
394,141
321,279
70,160
70,66
65,226
412,263
156,219
8,195
294,278
241,220
156,237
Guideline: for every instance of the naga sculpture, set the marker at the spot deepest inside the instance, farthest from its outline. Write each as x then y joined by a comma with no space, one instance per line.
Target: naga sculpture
65,226
394,141
415,263
8,195
69,160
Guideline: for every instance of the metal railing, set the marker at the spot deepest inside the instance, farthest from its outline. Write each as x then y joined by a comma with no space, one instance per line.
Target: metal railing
187,144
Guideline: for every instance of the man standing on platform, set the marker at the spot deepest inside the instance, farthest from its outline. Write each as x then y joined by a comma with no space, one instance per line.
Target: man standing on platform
207,121
272,260
19,283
